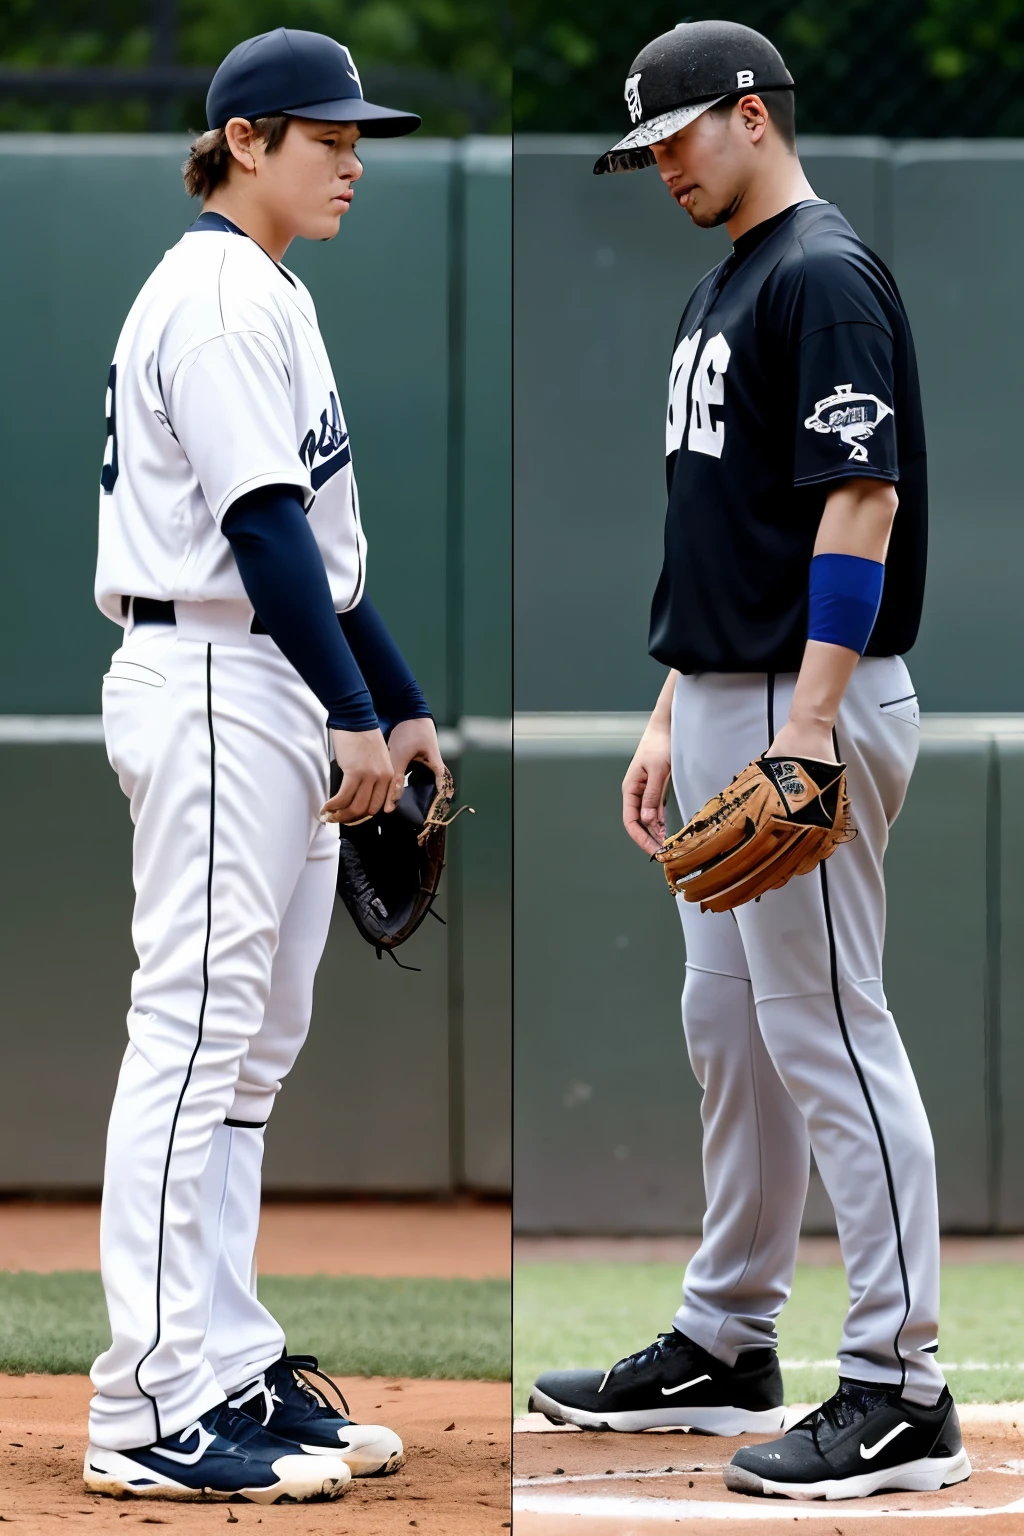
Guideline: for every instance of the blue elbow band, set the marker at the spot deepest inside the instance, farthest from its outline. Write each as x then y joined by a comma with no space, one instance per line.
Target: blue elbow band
845,596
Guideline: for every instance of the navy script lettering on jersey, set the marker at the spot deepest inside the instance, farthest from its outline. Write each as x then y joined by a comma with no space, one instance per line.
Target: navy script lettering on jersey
331,446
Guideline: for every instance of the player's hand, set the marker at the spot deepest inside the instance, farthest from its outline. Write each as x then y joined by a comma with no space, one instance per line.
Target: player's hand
367,776
644,789
812,740
414,741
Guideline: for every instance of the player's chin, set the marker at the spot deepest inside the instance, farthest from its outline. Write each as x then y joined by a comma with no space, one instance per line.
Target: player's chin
325,225
703,216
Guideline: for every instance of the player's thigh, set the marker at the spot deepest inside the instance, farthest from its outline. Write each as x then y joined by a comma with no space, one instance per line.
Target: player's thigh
303,936
720,722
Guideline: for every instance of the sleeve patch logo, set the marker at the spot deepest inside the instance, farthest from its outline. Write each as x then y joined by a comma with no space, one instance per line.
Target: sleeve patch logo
853,416
636,111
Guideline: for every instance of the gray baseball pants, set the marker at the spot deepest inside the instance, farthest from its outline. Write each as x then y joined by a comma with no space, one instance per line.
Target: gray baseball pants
793,1044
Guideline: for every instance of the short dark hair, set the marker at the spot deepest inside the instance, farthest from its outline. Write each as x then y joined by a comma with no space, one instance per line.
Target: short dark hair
781,104
209,158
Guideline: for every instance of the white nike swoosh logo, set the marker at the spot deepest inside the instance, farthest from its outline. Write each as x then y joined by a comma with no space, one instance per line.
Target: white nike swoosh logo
868,1452
188,1458
668,1391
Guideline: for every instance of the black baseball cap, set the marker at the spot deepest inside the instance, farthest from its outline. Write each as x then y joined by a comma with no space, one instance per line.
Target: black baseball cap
301,74
683,73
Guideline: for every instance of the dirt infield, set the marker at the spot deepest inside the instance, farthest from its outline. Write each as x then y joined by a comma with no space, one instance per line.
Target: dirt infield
573,1484
455,1482
469,1240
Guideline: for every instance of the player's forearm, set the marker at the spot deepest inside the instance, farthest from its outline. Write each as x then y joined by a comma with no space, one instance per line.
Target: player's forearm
395,692
283,573
847,573
858,519
661,714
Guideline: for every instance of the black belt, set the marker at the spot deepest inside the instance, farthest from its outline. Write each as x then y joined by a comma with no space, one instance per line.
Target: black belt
154,610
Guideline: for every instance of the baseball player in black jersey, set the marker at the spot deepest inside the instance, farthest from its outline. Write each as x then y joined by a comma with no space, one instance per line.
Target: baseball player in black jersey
792,584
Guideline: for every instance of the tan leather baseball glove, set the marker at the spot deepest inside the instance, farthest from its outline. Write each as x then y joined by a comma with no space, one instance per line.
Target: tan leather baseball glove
780,817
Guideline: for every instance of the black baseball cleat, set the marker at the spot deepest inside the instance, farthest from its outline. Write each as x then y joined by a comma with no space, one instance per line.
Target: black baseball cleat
672,1384
224,1454
866,1438
288,1404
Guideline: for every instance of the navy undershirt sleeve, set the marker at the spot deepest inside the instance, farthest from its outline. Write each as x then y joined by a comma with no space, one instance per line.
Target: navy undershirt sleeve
283,573
395,692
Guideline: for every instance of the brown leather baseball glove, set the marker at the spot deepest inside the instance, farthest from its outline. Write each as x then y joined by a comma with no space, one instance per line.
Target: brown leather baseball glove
780,817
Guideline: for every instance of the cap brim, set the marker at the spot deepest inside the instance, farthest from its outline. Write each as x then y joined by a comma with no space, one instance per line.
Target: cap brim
633,152
374,122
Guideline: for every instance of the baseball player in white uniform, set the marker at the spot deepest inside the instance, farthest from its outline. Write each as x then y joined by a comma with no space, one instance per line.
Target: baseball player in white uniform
231,550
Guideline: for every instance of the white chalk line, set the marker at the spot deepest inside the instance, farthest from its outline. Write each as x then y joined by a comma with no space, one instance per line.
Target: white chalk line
666,1510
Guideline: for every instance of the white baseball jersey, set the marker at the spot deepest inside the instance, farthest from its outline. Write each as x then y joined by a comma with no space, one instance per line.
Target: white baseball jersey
220,384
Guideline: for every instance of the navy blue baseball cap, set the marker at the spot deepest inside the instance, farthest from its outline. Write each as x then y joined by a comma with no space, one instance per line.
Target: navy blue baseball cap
300,74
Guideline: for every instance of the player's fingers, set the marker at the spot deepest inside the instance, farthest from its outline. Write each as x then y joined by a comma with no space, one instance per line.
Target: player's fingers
633,786
352,802
653,798
395,786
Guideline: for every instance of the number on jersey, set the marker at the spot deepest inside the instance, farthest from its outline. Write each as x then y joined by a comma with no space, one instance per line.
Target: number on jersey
109,474
705,389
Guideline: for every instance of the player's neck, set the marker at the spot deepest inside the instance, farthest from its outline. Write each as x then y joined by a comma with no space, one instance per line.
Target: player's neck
780,184
253,220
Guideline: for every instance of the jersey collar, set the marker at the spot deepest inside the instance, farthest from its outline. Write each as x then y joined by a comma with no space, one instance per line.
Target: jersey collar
218,224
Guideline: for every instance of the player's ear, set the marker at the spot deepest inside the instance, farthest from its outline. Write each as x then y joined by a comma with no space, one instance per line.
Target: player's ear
238,132
755,116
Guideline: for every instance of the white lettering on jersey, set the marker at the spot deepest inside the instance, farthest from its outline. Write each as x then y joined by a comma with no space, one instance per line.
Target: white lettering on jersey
678,390
708,389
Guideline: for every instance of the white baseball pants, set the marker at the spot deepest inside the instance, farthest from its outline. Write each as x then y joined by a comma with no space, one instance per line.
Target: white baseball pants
222,751
790,1037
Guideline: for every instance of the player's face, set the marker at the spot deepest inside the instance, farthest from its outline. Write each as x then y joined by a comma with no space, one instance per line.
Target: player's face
708,164
310,179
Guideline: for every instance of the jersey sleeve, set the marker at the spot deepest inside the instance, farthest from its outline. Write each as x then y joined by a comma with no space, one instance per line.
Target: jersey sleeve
845,417
230,410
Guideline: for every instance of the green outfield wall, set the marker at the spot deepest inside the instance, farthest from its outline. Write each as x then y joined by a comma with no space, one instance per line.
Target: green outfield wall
603,267
405,1083
607,1111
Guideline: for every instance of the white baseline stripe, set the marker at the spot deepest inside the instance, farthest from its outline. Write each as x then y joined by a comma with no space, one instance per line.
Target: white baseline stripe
944,1365
484,733
668,1510
49,730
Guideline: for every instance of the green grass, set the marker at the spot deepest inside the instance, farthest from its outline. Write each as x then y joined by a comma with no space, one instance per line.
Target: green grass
593,1314
453,1330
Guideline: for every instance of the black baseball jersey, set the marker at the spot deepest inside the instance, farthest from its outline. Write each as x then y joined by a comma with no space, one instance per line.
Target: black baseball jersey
793,369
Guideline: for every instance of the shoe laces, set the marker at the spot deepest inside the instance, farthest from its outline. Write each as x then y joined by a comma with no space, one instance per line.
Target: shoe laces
304,1366
853,1401
235,1425
664,1345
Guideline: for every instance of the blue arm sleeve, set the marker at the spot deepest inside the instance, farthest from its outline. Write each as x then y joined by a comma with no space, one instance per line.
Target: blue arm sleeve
845,596
283,573
395,692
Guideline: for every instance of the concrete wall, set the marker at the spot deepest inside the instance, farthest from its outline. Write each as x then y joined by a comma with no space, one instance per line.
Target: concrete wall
607,1123
405,1082
603,267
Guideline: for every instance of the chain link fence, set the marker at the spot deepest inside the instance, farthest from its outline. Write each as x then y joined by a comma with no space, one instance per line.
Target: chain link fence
899,68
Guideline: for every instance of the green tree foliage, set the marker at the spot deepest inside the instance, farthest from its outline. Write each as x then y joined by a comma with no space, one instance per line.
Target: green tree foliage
902,68
448,59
